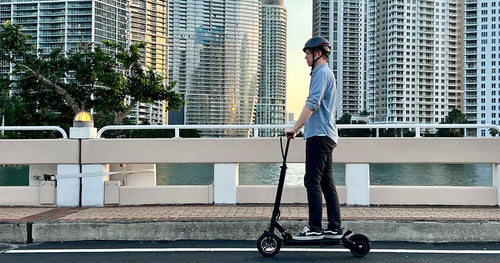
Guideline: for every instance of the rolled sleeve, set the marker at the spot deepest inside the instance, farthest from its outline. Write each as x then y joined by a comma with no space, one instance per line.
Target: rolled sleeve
316,91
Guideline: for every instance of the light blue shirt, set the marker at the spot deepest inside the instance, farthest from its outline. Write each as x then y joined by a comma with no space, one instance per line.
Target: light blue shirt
321,101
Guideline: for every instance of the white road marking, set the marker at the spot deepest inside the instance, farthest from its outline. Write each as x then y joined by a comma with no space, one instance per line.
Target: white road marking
330,250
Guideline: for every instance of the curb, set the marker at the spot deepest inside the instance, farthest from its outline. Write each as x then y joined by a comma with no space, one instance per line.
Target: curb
430,232
14,232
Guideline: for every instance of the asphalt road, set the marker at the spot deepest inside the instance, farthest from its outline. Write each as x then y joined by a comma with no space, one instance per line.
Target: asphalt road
242,251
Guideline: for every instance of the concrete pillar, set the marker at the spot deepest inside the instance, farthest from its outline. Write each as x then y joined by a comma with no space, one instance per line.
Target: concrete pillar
496,180
68,189
357,183
93,184
225,183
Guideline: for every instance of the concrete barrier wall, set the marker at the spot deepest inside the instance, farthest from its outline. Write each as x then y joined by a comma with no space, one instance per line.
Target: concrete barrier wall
433,195
359,151
266,150
57,151
196,194
249,150
19,196
382,195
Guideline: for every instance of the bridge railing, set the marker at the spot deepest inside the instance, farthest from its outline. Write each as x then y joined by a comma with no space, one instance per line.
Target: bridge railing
35,128
122,171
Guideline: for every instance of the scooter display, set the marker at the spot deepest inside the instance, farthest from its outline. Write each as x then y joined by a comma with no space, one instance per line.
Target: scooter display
269,243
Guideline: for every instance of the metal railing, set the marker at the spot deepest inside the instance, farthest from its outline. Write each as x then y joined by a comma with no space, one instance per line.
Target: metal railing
177,128
35,128
417,127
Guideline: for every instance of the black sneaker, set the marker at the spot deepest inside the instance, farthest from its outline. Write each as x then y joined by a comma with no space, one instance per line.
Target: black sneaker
337,233
307,234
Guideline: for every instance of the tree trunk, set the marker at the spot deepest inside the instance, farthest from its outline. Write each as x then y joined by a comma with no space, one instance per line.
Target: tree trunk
58,89
119,116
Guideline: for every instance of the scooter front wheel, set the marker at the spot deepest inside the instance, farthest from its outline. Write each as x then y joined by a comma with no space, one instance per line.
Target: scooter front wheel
269,244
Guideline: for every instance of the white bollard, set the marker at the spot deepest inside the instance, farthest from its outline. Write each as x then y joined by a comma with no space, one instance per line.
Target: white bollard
93,185
68,189
225,183
357,183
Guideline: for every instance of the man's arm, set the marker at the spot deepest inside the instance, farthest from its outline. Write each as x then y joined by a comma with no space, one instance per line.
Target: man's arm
304,116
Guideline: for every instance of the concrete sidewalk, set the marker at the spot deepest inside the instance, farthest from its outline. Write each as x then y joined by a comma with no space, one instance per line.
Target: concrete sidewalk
241,222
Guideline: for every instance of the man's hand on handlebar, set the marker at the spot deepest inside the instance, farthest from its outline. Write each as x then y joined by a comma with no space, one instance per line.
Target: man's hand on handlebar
290,134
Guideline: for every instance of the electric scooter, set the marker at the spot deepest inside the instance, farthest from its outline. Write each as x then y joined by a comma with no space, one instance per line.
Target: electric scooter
269,244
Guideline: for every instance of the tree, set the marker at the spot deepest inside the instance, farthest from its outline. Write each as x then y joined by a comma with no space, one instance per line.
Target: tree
493,132
58,85
454,117
346,119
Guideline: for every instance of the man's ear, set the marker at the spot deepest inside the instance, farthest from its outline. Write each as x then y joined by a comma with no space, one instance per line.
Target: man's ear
318,53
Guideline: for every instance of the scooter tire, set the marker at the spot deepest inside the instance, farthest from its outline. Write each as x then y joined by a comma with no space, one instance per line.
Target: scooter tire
269,244
360,245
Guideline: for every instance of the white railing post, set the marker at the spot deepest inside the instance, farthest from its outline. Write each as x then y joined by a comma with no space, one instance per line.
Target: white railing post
496,179
357,184
255,132
225,183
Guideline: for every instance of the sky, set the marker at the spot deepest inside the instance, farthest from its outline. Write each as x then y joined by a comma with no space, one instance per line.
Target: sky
299,30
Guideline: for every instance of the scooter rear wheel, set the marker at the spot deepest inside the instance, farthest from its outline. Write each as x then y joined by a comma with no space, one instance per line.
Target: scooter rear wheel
269,244
360,245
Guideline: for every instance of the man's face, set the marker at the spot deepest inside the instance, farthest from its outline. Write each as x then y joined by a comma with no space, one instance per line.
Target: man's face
309,57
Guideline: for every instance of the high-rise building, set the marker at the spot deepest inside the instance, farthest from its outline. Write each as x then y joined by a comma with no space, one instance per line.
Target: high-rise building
343,23
149,23
214,50
482,64
271,105
399,60
65,23
414,67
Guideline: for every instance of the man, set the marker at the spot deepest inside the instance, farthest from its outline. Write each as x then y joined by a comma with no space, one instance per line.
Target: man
320,131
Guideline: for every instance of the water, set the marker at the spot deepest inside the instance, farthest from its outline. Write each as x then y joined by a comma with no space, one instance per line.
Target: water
14,175
380,174
268,174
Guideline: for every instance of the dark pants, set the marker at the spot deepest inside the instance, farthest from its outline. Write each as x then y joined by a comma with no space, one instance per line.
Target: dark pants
318,179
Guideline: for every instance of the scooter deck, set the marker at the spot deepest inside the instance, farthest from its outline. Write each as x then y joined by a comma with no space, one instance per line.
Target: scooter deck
316,242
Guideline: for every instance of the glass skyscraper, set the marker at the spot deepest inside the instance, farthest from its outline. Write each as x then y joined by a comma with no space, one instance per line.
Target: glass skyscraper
214,50
149,23
271,106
